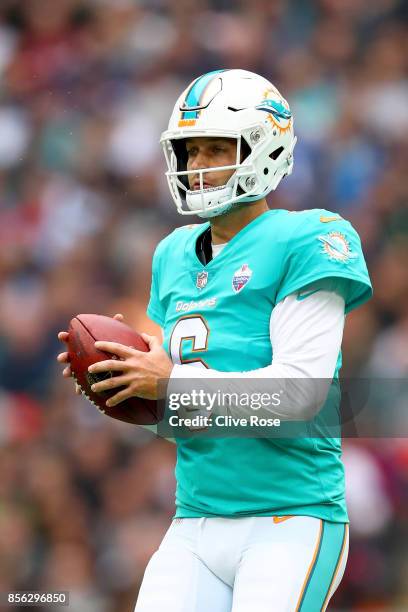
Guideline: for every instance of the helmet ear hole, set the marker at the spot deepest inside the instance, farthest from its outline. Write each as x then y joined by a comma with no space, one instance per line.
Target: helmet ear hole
275,154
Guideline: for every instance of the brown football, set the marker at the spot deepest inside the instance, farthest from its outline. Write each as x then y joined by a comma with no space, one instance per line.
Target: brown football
84,330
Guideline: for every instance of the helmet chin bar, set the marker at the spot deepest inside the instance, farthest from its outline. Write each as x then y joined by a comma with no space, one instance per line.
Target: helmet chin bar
211,201
210,198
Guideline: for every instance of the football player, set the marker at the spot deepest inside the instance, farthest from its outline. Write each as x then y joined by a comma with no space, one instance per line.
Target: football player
250,294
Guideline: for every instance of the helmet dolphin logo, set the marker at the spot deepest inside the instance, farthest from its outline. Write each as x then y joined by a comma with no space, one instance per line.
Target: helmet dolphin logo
278,110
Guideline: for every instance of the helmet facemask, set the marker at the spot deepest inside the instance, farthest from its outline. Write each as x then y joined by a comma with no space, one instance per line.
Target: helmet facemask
210,201
242,186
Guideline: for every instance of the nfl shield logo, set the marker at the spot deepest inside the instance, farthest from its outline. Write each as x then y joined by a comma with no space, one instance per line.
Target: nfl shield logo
202,278
241,278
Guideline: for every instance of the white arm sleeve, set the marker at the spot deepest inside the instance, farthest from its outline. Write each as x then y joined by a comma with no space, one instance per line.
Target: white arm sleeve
306,337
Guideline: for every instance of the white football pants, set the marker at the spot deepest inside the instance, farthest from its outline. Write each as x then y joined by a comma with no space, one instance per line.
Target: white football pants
254,564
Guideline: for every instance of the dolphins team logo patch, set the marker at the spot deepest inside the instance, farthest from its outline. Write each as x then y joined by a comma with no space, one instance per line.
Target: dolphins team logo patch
336,246
241,277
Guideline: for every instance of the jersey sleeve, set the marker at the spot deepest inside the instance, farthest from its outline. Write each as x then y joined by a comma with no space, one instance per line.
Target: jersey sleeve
155,310
326,246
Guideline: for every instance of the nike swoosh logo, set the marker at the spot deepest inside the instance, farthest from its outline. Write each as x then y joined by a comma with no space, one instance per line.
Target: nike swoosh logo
328,219
281,519
303,296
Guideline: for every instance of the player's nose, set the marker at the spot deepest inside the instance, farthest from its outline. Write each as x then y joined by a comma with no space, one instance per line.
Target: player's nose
200,161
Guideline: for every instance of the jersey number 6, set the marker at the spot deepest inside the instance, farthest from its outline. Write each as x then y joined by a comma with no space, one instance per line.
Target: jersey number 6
195,329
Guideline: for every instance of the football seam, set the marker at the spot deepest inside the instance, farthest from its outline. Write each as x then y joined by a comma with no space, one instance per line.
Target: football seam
101,409
86,395
85,327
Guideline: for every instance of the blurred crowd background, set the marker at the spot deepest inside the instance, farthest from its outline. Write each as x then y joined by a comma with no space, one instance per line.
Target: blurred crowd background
86,87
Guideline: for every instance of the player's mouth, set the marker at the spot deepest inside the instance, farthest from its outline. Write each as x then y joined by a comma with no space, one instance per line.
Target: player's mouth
196,185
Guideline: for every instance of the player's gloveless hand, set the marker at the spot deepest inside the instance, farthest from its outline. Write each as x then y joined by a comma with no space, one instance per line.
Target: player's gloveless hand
64,357
138,372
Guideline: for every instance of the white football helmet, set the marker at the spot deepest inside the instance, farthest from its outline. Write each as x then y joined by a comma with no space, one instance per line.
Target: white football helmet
230,104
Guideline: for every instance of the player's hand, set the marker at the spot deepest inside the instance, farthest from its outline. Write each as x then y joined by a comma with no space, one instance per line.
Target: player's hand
64,357
138,371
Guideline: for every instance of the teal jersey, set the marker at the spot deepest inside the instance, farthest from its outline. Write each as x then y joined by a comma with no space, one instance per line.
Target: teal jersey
226,307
